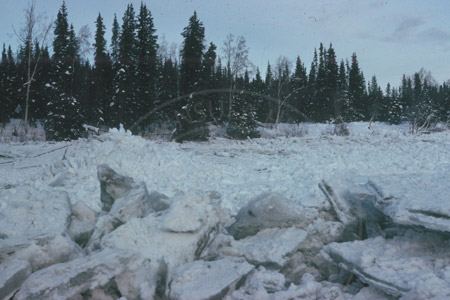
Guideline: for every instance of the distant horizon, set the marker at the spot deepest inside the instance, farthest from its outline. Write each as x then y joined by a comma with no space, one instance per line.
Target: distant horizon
390,38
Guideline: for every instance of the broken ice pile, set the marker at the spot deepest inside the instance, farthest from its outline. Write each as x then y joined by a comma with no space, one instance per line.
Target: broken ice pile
406,220
381,238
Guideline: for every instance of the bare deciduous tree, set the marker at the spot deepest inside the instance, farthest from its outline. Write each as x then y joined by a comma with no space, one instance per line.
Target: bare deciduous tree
84,47
34,31
83,40
282,73
236,55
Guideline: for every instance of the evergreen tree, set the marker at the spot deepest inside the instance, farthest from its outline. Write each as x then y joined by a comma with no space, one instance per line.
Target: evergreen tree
146,68
191,122
242,124
101,78
406,97
115,41
422,110
357,92
320,104
38,98
395,109
13,86
191,55
257,86
113,111
125,96
64,117
342,104
209,81
312,87
375,97
5,101
268,109
166,91
444,103
331,86
298,101
220,105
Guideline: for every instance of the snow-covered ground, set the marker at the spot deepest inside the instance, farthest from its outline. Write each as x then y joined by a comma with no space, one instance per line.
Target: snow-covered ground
290,161
238,170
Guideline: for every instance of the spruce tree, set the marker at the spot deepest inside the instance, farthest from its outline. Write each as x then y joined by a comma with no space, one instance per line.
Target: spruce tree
320,104
209,82
312,88
242,124
375,100
356,91
444,103
101,78
37,105
191,121
422,110
257,86
191,55
268,110
406,97
125,96
115,40
146,63
395,110
5,104
112,111
166,92
13,85
64,118
342,103
331,86
298,102
220,107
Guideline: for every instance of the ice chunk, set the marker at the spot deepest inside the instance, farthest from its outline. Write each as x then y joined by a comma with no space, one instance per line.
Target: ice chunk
208,279
12,274
27,210
417,263
40,250
111,273
269,248
270,210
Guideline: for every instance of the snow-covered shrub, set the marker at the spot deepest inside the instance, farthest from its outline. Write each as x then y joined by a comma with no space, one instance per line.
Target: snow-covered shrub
190,131
14,132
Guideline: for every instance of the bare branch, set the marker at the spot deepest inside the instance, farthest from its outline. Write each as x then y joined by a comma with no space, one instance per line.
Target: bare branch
36,30
83,37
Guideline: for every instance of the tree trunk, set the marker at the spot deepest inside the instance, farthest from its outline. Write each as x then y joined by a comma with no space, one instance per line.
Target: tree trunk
27,99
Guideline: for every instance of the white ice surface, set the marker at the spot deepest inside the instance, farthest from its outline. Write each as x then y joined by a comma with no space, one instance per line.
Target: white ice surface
237,170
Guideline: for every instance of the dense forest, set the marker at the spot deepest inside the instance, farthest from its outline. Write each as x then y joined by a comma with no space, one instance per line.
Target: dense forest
136,82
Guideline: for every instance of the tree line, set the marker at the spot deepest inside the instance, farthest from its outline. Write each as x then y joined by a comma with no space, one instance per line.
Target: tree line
134,81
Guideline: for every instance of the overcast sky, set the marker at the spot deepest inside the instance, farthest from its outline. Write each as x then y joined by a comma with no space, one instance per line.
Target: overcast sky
390,37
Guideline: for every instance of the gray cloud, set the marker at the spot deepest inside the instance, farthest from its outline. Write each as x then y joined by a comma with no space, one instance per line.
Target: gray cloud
406,30
414,30
435,34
